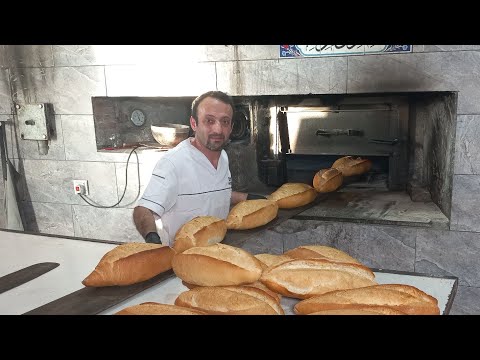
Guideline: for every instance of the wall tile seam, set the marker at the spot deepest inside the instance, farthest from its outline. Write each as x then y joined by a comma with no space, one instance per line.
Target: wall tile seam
74,204
463,231
474,174
58,66
78,161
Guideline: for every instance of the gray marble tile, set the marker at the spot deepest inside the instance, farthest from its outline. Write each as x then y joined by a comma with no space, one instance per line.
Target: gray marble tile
268,242
285,76
381,247
449,253
2,188
3,224
237,52
69,89
5,96
173,79
105,224
467,145
465,200
56,150
48,218
305,232
429,48
258,52
218,52
28,55
466,301
436,71
81,55
131,177
52,181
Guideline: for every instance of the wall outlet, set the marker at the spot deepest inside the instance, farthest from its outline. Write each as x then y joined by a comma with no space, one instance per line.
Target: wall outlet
80,187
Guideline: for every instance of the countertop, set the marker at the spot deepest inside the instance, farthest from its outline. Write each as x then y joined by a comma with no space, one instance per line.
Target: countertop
78,257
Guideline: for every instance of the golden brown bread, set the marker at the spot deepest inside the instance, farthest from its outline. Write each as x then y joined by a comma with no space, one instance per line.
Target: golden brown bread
249,214
259,285
231,300
200,231
360,310
217,265
304,278
153,308
350,166
404,298
327,180
271,259
130,263
292,195
321,252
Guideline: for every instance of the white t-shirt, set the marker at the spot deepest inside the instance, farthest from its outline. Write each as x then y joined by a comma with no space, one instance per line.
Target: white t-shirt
184,184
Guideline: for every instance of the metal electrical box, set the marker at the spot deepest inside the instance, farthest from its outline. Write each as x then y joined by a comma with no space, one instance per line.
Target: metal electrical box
33,120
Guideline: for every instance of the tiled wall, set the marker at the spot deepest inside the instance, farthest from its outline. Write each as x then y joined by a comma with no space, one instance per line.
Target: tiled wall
68,76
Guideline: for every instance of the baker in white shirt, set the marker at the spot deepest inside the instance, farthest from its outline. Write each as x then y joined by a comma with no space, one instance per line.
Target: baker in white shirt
192,179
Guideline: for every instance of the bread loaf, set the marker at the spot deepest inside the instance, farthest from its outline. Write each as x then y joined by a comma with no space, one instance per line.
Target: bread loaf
350,166
200,231
305,278
152,308
404,298
217,265
231,300
327,180
130,263
249,214
259,285
271,259
292,195
321,252
360,310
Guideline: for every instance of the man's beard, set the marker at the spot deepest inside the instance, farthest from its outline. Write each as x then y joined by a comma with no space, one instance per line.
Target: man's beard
214,147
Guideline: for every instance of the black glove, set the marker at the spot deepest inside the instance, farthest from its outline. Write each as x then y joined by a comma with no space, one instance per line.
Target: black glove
255,196
153,238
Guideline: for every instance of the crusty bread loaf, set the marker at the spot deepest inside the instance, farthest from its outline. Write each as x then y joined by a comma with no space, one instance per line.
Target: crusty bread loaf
321,252
217,265
360,310
327,180
271,259
350,166
153,308
304,278
404,298
130,263
249,214
292,195
200,231
231,300
259,285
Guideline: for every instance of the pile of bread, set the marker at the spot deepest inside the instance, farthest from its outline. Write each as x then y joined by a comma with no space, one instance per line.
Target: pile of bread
223,279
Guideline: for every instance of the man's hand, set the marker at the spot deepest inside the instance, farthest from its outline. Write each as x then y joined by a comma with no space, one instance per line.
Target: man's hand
255,196
153,238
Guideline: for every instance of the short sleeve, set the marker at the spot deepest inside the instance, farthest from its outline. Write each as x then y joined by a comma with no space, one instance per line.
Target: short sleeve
162,190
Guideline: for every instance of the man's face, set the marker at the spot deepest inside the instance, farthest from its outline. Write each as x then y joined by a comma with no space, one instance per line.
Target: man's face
214,124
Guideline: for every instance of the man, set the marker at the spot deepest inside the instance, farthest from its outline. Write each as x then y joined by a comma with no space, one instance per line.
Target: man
192,179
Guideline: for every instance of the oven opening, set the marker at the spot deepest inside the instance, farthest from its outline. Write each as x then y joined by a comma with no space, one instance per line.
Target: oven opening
409,137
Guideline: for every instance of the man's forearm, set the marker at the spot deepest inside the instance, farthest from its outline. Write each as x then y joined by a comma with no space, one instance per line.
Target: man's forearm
237,197
144,220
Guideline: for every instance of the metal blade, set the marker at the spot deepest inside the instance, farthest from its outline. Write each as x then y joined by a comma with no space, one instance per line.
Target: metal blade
24,275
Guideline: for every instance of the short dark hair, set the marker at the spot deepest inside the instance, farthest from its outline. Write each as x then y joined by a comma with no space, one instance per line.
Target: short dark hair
219,95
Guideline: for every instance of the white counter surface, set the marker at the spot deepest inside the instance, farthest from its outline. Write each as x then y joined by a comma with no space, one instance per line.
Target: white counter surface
77,258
